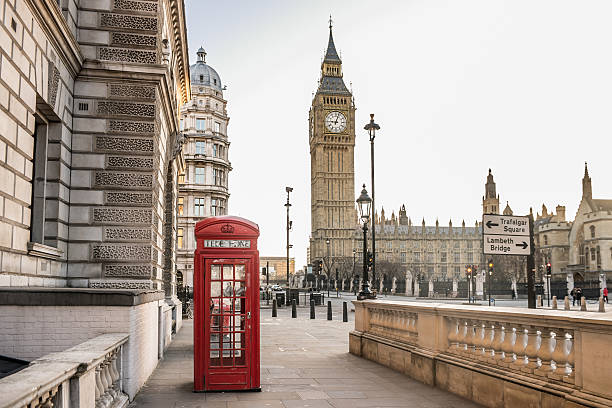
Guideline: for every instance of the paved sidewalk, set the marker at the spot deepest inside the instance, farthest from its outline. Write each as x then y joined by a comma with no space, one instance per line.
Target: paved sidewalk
304,363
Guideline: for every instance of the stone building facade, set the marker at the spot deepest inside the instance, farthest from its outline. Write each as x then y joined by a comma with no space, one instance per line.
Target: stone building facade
332,174
90,142
203,186
278,268
579,250
90,153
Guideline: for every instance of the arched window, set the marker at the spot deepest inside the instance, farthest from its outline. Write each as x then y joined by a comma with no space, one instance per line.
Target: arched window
545,240
592,228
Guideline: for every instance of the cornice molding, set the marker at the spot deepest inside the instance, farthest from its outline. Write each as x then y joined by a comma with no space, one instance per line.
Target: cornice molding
58,33
179,31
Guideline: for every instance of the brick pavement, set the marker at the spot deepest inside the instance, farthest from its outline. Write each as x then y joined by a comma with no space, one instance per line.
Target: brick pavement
304,363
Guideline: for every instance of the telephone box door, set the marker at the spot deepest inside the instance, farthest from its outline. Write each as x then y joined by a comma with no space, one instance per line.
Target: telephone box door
227,327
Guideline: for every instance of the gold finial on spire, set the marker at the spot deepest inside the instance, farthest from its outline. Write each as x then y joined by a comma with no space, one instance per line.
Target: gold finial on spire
330,22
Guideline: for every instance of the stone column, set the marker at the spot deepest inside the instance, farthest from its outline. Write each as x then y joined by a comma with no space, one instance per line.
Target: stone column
455,285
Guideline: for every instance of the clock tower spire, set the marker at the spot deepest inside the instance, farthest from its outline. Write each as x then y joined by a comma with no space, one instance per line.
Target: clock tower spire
332,174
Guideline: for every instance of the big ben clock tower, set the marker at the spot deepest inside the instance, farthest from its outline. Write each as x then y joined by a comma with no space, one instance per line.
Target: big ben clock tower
332,174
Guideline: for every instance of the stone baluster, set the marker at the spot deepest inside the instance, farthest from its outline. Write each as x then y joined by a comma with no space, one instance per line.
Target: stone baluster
115,372
105,399
462,337
478,339
570,368
45,400
496,344
469,338
531,350
109,377
559,356
453,335
519,348
547,345
99,387
508,346
488,351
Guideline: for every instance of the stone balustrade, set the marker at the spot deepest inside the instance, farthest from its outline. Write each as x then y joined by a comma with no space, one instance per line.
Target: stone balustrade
494,356
85,376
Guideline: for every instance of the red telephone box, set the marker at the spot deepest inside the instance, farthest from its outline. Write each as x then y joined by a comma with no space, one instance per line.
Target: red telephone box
226,305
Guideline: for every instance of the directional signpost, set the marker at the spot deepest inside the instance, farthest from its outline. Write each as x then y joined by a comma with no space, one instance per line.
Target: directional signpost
506,235
509,235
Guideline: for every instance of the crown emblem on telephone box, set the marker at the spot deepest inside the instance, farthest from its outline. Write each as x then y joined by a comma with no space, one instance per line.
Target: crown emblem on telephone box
227,229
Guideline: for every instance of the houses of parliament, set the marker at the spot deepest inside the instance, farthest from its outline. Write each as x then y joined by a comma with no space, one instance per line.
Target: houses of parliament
435,251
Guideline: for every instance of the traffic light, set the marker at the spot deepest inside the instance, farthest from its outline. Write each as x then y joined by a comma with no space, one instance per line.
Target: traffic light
318,266
490,267
264,272
548,268
370,260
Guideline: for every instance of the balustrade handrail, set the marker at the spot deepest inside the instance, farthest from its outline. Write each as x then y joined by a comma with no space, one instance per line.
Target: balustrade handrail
39,381
566,319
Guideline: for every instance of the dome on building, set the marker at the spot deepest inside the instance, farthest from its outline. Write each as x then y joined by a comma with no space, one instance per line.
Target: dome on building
203,74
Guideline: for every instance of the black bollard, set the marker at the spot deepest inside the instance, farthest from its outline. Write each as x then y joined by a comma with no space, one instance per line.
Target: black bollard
274,308
344,312
312,314
329,312
293,309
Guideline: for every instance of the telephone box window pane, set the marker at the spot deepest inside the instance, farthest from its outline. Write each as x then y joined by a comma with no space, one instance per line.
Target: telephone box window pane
240,272
239,305
240,289
228,272
215,289
228,290
215,272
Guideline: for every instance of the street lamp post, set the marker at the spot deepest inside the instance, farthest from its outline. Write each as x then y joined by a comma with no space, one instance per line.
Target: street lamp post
327,265
365,202
288,190
372,127
353,277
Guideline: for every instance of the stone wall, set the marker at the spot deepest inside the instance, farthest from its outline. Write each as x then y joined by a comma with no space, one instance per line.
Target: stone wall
497,357
53,322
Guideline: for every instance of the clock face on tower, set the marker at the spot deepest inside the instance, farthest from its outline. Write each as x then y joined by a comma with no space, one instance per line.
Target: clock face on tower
335,122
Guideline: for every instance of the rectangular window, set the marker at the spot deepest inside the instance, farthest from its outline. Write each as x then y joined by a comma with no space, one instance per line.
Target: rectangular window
469,244
181,178
199,207
217,206
179,238
417,257
470,257
219,177
443,270
181,124
443,257
199,175
217,127
180,205
215,150
403,257
457,270
456,257
200,146
201,124
39,183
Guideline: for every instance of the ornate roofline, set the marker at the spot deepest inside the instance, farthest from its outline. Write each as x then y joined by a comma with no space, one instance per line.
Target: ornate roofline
179,31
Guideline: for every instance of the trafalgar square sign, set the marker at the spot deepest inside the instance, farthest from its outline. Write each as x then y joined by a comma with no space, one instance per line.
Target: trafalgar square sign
506,235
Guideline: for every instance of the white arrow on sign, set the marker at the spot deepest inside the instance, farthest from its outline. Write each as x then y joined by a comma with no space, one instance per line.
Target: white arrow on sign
505,224
506,245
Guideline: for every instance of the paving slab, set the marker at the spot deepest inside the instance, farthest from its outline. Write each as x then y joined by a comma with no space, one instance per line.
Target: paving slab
304,363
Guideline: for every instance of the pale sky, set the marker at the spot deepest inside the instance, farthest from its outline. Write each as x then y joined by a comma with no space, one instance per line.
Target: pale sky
523,87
